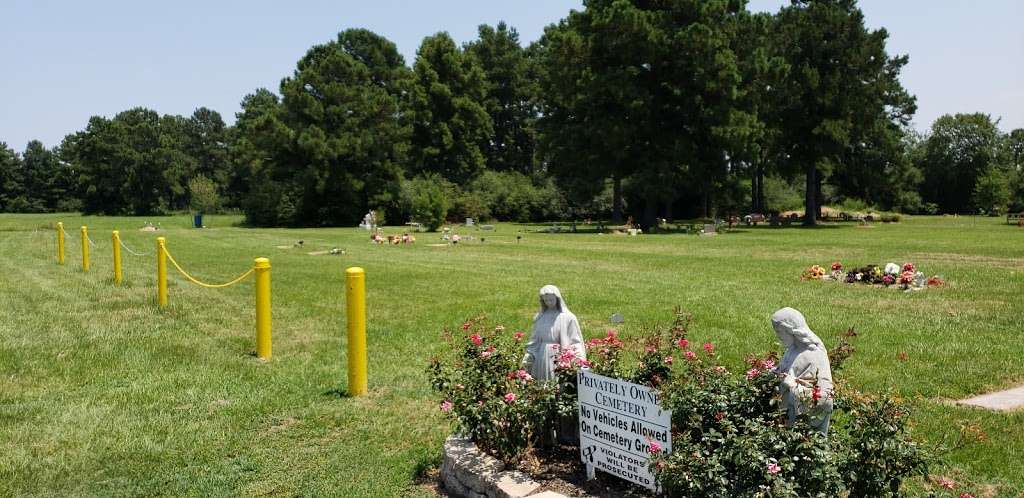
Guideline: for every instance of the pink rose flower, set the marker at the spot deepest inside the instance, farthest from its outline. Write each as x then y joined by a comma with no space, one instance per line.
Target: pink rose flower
668,360
519,336
655,448
690,355
446,406
966,495
773,468
682,343
476,339
753,372
467,325
947,483
768,364
510,397
710,348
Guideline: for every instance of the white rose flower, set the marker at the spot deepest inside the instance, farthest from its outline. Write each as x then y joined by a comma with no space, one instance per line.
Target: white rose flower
892,269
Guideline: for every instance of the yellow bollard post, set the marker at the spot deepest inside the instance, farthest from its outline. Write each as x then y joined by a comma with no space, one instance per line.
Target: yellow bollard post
161,272
115,238
261,266
60,243
355,295
85,249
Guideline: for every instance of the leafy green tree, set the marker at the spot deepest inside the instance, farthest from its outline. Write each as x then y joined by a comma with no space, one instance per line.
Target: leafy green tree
336,145
206,141
11,180
427,201
257,138
39,169
843,89
959,150
992,191
1015,148
134,163
510,98
880,169
451,127
203,195
593,104
648,91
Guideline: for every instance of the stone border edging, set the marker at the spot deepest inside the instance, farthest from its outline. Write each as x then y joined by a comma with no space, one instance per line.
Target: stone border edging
468,472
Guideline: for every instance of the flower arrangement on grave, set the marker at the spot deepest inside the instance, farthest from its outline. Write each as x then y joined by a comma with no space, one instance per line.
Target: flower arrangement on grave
729,431
813,273
906,277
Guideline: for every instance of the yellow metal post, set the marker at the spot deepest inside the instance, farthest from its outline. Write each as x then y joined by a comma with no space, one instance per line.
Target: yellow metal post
261,266
60,243
115,239
161,271
85,249
355,295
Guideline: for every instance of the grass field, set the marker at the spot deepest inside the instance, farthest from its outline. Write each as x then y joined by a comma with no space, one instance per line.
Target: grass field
104,394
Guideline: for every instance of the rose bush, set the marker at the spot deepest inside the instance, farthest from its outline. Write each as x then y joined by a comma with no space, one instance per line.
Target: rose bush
729,433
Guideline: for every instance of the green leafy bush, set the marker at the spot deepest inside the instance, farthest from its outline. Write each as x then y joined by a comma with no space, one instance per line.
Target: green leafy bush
491,398
513,196
203,196
426,201
729,433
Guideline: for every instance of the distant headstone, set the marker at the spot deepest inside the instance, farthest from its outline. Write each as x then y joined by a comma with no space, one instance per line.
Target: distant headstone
709,228
617,318
469,222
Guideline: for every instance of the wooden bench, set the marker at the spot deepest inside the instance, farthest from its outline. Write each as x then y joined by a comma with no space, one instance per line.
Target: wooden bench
1014,218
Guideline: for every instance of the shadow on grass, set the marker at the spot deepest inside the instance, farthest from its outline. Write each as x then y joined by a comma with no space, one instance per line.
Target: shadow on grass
336,393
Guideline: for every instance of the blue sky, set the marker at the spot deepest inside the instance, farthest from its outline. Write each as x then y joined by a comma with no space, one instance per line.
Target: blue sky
65,61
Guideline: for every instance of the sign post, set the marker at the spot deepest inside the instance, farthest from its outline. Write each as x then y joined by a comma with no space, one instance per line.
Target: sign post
619,423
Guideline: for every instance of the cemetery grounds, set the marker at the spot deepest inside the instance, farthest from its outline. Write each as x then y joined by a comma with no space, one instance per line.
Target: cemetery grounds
104,394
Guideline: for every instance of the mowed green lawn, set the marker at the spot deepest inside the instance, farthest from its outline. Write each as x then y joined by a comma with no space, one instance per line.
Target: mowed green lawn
104,394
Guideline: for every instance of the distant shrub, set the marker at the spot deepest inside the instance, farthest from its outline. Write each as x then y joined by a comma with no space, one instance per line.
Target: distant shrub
513,196
426,201
781,195
203,196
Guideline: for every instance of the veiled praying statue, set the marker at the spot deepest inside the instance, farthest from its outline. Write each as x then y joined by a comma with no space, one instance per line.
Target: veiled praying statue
554,325
804,370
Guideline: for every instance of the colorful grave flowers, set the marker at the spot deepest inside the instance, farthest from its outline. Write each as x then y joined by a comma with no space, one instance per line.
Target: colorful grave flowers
906,276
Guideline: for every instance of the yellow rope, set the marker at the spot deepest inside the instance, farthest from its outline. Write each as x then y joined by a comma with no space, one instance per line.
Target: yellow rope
202,284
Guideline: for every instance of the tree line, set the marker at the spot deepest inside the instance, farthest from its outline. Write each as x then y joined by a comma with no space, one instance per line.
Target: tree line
675,108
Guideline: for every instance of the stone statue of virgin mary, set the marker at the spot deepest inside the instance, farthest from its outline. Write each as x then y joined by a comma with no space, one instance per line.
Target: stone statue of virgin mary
804,370
554,325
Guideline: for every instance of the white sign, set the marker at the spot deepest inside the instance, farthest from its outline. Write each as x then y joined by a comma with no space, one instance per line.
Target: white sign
618,422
